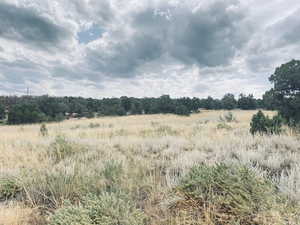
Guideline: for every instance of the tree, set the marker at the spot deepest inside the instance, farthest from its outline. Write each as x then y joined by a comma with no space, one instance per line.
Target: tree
210,103
286,80
2,112
269,101
264,125
52,107
229,102
165,104
247,102
182,110
25,113
126,103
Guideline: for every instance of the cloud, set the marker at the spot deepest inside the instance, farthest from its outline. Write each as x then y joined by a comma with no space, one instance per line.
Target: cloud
146,47
209,36
28,27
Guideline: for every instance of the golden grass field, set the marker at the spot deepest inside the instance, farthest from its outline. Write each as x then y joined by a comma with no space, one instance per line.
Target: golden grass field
144,156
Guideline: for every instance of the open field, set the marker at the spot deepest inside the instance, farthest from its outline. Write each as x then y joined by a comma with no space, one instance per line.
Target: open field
134,166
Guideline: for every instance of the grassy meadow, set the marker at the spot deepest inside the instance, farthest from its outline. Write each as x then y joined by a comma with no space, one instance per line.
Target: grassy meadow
149,170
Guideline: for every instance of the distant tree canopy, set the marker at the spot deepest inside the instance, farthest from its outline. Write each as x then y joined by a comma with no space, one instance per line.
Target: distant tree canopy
32,109
269,100
285,96
25,113
247,102
2,111
229,102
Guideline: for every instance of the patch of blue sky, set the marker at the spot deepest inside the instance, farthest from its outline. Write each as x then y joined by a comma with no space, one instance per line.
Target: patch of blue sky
89,35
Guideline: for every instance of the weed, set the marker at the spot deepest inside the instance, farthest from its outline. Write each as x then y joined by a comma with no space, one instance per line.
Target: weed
95,125
166,130
61,148
228,118
43,130
223,126
105,209
9,188
231,194
112,172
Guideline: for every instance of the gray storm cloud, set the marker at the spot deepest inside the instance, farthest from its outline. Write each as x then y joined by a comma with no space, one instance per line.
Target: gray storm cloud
26,26
145,43
207,37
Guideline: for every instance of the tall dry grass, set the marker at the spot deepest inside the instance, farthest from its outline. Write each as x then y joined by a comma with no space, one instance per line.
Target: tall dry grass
140,158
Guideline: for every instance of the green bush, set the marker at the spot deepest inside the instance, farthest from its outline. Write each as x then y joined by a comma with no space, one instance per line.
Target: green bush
232,190
264,125
71,215
105,209
9,188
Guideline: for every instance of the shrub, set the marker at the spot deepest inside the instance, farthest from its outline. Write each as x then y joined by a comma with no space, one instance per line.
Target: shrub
71,215
264,125
165,130
94,125
112,173
228,118
105,209
9,188
51,188
226,194
223,126
62,148
43,130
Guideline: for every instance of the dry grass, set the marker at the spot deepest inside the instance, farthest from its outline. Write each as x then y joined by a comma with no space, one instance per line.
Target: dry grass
153,153
16,214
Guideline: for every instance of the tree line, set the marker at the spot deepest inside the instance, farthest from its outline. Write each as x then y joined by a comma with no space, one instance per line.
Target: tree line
283,97
33,109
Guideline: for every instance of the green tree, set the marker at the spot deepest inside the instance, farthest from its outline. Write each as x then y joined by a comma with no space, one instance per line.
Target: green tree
25,113
286,80
165,104
229,102
269,101
2,112
264,125
182,110
247,102
126,103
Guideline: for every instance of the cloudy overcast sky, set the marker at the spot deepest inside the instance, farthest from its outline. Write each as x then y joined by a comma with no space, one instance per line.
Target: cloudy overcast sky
105,48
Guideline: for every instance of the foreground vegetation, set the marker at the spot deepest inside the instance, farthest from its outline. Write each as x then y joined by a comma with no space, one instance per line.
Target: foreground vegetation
149,170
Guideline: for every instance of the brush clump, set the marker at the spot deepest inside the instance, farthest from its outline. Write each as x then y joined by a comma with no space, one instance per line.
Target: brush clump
224,195
105,209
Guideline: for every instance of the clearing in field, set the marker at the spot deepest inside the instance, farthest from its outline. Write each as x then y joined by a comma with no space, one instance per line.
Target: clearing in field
154,169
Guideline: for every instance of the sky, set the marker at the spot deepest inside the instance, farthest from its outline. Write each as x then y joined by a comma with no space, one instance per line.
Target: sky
143,48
